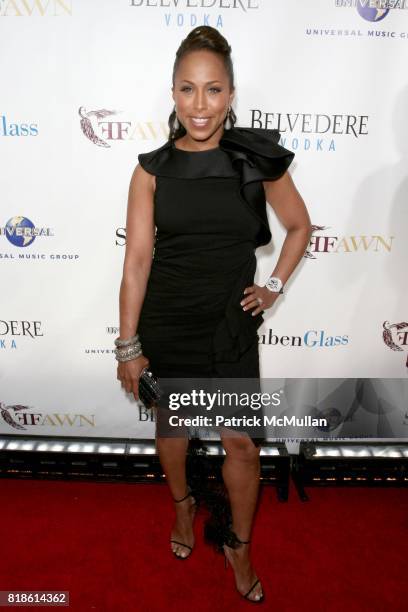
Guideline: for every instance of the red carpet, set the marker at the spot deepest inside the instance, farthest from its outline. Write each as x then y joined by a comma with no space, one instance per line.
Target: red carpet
108,545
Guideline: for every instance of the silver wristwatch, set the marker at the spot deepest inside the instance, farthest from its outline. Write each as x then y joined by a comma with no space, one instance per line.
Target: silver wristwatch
274,284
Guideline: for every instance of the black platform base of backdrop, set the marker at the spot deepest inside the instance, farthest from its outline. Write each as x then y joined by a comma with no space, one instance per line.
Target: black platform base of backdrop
119,460
335,463
326,463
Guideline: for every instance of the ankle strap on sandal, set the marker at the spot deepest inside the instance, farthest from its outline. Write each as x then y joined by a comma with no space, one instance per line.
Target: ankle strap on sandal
243,541
177,501
232,540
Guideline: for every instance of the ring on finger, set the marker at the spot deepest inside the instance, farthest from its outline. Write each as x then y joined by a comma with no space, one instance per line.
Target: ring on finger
259,300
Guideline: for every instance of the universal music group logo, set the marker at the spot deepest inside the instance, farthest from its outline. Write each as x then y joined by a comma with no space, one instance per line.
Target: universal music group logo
373,13
21,231
372,10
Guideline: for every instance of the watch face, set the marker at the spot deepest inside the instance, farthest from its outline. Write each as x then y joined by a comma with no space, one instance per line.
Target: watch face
274,284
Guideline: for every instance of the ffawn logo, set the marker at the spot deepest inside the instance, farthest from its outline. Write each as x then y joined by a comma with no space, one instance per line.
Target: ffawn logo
87,127
98,127
329,243
35,8
14,416
395,336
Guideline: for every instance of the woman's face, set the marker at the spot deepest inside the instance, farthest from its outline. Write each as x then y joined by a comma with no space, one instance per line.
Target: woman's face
202,95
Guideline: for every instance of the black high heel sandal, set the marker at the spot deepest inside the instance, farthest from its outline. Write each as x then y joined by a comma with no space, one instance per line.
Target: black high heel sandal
177,501
232,541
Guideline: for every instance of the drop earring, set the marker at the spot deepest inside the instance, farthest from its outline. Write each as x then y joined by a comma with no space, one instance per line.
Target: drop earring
176,123
228,123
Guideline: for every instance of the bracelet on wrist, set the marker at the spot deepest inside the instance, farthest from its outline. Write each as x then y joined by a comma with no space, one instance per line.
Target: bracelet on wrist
127,341
129,357
128,348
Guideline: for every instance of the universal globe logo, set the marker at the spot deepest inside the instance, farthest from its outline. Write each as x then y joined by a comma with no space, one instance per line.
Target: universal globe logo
21,231
369,9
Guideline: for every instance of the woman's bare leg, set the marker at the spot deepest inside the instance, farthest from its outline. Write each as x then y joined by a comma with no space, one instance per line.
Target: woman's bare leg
172,454
241,473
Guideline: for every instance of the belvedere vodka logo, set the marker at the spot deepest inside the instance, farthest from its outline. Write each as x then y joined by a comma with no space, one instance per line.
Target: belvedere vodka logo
191,13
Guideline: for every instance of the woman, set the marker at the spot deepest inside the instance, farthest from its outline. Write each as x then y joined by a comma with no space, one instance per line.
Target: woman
193,301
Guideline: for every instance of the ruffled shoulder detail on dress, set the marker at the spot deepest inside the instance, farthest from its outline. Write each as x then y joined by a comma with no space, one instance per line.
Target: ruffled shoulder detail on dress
152,160
258,156
260,148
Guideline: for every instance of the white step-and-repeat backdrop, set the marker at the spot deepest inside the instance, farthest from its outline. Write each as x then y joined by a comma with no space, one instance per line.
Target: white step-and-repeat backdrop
85,87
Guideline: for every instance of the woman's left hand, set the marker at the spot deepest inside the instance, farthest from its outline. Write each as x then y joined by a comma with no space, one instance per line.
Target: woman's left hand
258,298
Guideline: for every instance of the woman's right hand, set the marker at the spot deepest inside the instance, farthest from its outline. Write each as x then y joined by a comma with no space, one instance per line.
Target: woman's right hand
129,373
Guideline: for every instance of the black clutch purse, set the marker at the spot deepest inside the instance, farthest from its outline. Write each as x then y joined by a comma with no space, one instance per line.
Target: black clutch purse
149,389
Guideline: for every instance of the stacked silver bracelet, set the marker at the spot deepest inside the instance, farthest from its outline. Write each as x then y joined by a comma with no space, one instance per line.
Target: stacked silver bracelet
128,349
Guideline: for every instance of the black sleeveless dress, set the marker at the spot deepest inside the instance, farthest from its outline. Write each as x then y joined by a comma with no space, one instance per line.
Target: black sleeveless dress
210,216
